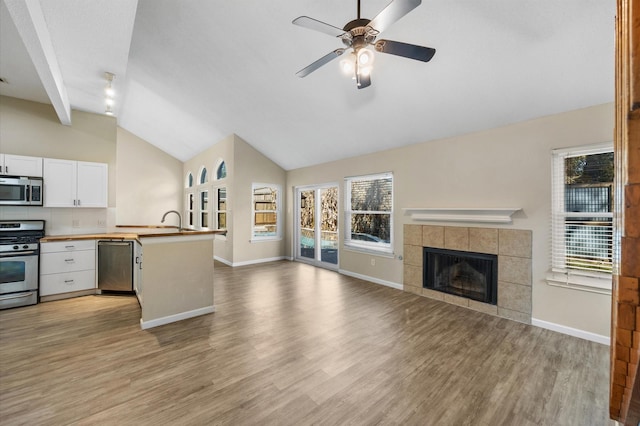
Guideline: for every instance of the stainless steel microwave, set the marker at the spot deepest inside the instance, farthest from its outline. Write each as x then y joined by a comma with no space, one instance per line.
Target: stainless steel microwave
20,191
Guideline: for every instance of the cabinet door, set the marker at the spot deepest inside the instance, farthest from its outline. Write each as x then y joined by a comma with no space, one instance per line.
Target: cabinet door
20,165
92,184
59,183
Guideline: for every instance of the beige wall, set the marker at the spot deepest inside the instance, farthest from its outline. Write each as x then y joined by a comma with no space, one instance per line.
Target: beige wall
211,158
143,181
253,167
177,277
149,181
31,128
504,167
245,166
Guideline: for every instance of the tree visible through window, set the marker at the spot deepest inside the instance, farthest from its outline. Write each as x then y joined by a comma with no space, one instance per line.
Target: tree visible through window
583,210
369,211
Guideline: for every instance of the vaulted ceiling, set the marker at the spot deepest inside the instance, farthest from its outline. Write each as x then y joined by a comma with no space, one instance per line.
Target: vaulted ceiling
189,73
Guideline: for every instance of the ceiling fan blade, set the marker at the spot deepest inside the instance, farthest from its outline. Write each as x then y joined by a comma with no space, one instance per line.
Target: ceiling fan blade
314,24
406,50
393,12
320,62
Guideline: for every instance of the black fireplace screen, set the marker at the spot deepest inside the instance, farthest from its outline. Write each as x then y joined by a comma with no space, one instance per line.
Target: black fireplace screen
465,274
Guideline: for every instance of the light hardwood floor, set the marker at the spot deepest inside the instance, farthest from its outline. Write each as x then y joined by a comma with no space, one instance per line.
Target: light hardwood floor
291,344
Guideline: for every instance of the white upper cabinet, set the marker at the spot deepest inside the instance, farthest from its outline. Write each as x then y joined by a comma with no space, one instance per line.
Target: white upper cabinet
70,183
20,165
92,184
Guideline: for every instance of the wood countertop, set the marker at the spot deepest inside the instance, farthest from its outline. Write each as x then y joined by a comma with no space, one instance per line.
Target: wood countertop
133,233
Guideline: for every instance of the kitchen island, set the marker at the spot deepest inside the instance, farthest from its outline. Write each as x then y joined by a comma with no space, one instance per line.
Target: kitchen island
176,281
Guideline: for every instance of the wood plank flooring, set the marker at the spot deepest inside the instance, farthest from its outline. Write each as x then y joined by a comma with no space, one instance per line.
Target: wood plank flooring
291,344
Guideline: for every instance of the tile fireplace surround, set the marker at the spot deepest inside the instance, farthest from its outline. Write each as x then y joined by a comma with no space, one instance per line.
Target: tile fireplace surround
513,247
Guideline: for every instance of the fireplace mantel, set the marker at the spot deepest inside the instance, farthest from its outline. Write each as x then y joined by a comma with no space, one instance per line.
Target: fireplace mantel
461,214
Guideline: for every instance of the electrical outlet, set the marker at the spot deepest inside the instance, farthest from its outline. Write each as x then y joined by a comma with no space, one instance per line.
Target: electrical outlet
373,262
102,223
75,223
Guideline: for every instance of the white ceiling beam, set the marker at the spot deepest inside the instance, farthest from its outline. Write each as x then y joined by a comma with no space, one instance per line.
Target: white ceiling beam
29,19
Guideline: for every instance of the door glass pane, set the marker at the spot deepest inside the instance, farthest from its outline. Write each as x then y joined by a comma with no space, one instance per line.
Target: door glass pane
307,224
329,225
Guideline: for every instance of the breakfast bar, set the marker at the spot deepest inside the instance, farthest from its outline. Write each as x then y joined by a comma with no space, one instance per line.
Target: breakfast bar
175,268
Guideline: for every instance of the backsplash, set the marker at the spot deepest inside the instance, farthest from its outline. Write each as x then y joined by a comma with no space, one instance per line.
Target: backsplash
63,221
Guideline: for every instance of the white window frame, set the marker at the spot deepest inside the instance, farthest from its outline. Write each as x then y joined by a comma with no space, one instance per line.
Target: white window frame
560,275
203,188
216,211
366,246
189,191
277,211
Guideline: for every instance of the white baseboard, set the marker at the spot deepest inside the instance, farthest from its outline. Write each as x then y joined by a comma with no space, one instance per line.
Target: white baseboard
598,338
177,317
371,279
221,260
256,261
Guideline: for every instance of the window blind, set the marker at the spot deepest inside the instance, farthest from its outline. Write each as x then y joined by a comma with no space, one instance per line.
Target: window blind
582,214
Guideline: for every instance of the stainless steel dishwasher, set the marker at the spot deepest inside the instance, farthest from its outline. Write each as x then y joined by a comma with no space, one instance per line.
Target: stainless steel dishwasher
115,265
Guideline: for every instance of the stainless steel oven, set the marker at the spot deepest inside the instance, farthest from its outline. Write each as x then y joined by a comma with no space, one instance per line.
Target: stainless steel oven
19,254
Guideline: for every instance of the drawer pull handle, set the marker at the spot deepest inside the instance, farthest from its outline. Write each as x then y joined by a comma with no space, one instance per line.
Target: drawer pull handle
68,281
69,260
69,247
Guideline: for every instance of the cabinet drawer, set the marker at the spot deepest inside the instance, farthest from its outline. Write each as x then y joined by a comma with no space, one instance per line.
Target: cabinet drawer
66,246
66,282
55,263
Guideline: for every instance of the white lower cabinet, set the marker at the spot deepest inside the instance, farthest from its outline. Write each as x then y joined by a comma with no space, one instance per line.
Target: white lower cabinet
67,266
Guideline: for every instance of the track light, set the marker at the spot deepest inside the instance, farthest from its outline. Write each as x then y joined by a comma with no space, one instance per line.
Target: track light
109,93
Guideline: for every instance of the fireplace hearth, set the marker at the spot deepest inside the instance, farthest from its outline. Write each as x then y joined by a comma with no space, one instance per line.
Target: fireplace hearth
461,273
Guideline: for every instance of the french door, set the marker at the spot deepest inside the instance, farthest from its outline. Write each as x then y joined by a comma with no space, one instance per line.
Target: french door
317,225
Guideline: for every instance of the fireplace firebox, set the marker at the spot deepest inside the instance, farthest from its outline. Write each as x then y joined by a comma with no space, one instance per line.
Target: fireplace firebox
461,273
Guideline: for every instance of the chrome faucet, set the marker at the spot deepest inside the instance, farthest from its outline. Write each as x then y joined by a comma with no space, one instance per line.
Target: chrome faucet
179,218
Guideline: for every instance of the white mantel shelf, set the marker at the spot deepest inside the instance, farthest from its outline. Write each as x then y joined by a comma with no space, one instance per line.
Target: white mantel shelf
457,214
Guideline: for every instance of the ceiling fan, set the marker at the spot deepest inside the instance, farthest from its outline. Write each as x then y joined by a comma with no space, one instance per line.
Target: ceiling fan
361,33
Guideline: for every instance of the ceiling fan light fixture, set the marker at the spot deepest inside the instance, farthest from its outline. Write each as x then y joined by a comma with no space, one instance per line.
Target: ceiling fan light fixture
348,65
359,36
364,71
365,57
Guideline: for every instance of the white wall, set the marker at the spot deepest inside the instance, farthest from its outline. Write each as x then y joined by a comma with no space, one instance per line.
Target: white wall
503,167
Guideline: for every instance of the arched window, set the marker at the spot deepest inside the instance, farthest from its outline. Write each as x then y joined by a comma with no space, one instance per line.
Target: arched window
221,172
188,181
203,175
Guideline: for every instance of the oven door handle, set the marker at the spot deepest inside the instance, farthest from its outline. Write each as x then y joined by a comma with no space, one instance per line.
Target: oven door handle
16,296
19,254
